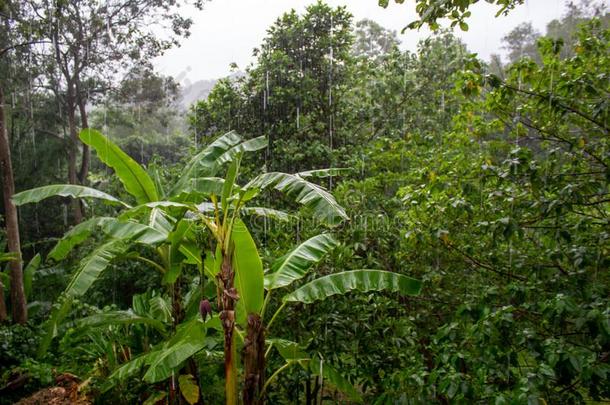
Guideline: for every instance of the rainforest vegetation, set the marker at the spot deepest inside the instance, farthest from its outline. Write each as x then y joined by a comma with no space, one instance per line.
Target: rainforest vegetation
341,221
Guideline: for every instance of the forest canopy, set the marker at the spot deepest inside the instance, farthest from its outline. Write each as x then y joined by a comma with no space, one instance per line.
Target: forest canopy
343,221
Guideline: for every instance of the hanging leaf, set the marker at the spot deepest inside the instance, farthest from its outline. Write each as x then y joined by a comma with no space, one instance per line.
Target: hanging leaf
189,388
128,230
145,208
62,190
78,234
323,205
359,280
295,264
251,145
28,274
92,266
160,308
188,340
249,277
204,163
267,213
134,178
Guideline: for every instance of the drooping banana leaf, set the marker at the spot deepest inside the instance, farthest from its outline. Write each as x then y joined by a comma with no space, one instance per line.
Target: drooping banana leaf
62,190
78,234
359,280
92,266
296,263
129,230
267,213
204,163
322,204
135,179
189,339
28,274
249,277
145,208
161,221
251,145
88,271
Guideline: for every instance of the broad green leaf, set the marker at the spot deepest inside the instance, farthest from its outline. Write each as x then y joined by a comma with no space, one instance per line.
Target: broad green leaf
251,145
189,388
204,163
28,274
160,308
78,234
267,213
145,208
295,264
129,369
119,318
189,339
113,227
92,266
359,280
323,205
51,326
134,178
129,230
206,185
249,277
161,221
62,190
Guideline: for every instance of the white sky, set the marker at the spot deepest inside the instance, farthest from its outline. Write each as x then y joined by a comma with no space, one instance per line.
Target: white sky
227,30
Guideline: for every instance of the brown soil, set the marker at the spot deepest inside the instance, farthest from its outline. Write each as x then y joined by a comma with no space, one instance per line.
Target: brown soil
67,393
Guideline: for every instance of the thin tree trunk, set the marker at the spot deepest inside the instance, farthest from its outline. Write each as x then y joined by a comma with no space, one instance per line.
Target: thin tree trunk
84,168
18,301
72,175
254,361
227,298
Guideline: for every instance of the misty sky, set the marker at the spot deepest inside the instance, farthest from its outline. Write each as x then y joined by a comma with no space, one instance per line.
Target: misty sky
226,31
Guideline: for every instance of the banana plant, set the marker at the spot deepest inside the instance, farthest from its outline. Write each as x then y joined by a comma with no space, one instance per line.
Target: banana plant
158,221
165,223
295,265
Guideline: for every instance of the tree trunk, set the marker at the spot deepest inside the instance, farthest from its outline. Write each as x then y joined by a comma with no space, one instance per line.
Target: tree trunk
84,167
18,301
254,361
227,298
72,175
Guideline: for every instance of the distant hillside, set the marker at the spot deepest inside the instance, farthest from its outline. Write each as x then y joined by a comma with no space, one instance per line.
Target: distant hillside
200,90
196,91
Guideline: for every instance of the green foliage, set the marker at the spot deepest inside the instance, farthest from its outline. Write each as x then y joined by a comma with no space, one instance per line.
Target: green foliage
134,178
249,276
359,280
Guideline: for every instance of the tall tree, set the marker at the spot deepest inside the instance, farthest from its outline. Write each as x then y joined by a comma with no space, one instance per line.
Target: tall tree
91,43
17,291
